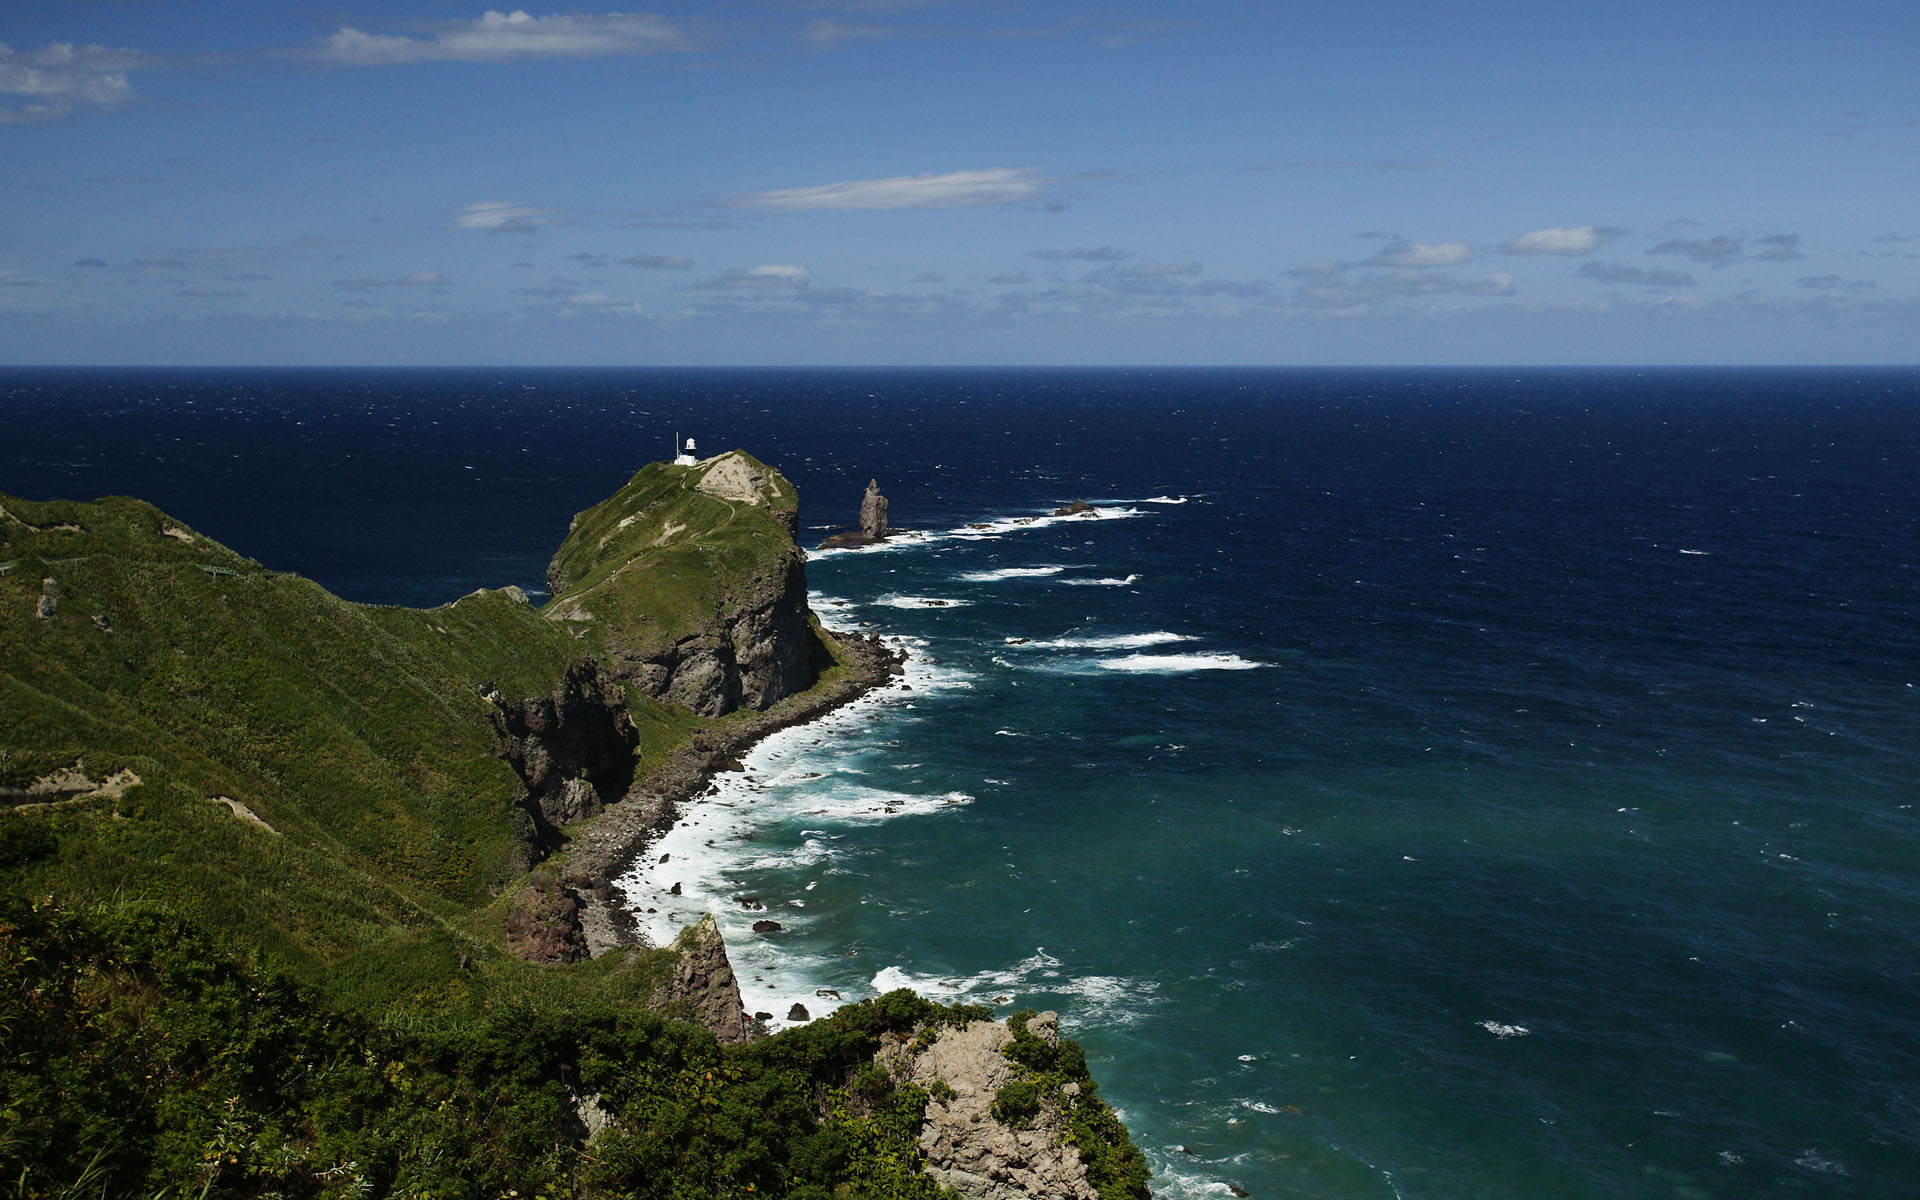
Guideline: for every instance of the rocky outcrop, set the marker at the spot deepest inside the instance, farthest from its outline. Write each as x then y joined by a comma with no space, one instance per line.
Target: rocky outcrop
969,1146
573,749
702,988
544,927
1074,509
763,652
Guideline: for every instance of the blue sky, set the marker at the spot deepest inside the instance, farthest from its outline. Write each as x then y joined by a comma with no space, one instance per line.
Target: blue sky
916,181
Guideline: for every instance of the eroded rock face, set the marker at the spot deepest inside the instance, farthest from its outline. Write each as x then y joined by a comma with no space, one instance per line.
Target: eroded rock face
873,512
968,1148
703,987
764,653
544,927
573,750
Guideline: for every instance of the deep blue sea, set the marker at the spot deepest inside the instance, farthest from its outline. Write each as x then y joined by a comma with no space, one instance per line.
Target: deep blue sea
1425,784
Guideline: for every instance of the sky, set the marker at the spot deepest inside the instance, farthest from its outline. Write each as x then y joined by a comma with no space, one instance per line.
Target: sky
909,182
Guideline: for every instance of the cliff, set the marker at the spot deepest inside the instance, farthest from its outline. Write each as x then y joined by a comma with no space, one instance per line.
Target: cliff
689,585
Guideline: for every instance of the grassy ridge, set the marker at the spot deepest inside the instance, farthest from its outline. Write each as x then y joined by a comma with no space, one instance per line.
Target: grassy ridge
358,735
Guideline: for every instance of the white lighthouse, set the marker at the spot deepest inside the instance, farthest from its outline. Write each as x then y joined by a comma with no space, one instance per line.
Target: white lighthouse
685,458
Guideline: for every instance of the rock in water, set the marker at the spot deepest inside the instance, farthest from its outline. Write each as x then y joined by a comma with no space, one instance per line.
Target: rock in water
873,512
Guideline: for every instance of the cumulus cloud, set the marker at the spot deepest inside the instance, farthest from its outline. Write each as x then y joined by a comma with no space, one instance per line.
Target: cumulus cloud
1780,247
1573,242
62,78
1083,254
1716,252
1399,253
954,189
499,217
1655,277
501,37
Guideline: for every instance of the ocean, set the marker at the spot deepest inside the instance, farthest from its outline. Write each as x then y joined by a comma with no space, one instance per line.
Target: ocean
1420,783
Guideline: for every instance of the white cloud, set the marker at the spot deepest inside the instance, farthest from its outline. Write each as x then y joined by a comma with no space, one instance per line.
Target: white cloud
500,37
775,275
1573,242
498,217
1398,253
62,77
954,189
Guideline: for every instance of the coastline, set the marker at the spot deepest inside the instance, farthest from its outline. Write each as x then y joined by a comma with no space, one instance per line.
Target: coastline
609,846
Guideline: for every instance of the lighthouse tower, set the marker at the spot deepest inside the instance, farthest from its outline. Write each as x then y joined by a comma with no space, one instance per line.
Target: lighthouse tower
685,458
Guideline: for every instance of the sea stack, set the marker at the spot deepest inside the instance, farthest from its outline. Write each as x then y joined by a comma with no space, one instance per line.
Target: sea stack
873,512
873,521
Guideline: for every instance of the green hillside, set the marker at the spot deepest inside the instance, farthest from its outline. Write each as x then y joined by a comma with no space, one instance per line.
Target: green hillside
260,850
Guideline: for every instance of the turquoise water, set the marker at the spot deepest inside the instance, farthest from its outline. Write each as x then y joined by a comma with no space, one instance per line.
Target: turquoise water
1448,784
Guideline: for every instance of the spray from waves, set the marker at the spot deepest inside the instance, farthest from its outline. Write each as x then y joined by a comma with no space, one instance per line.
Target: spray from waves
893,600
1001,573
1129,581
1116,641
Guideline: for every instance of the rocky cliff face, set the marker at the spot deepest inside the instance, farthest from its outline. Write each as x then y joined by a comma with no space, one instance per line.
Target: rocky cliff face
759,652
703,988
573,749
995,1128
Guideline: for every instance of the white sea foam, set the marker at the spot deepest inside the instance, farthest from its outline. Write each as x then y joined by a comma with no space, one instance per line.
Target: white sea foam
1165,500
1001,573
1177,663
1090,999
1504,1031
1109,581
893,600
1111,641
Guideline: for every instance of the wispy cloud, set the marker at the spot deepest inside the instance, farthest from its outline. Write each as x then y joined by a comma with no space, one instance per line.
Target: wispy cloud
425,279
954,189
1780,247
1573,242
1083,254
1653,277
1398,253
1359,164
62,78
499,217
1716,252
657,262
502,37
776,275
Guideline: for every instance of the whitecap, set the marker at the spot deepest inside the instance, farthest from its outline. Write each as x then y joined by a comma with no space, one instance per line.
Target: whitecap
1175,663
1000,573
1112,641
1504,1031
894,600
1109,581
